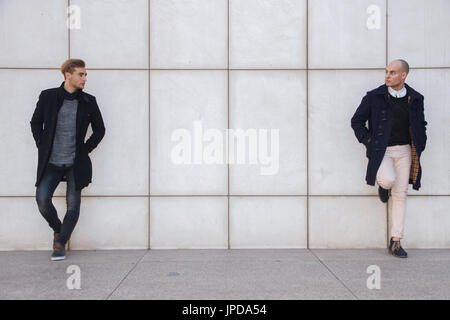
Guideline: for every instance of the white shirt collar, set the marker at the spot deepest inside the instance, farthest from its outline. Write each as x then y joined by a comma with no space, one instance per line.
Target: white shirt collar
397,94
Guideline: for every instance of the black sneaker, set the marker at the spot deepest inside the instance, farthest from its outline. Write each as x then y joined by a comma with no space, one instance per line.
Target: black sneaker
59,252
383,194
396,249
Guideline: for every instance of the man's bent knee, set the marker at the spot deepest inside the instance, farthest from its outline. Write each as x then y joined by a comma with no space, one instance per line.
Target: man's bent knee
386,183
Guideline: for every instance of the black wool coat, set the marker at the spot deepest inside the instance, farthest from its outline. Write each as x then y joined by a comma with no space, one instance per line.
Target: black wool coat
43,127
375,109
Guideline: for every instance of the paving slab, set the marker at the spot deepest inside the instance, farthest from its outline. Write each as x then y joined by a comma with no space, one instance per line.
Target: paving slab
32,275
425,274
231,274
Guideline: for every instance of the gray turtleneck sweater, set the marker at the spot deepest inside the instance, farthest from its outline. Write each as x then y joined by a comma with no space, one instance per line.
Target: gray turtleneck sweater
64,144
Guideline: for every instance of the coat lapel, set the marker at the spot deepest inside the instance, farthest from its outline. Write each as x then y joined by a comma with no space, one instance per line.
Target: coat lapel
80,112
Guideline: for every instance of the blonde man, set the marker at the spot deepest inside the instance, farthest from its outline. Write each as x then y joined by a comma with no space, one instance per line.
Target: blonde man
59,125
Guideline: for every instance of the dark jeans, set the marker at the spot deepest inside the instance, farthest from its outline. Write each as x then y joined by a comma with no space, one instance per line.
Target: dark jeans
44,194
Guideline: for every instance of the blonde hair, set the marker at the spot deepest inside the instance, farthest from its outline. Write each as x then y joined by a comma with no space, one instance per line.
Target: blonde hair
70,65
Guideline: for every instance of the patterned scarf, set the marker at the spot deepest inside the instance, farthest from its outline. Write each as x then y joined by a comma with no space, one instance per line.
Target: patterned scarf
414,172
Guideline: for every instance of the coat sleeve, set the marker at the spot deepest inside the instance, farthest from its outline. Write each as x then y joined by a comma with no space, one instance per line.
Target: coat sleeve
423,123
37,120
359,119
98,128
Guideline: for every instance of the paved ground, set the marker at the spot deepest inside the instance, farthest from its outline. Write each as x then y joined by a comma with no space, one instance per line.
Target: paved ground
293,274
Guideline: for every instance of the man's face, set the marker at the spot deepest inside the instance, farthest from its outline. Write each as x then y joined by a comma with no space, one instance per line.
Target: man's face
395,75
77,78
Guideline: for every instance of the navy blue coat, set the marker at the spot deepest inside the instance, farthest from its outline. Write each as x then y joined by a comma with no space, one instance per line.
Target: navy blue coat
43,127
375,110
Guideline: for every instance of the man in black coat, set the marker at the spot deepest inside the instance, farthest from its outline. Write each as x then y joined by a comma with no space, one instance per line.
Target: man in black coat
394,141
59,125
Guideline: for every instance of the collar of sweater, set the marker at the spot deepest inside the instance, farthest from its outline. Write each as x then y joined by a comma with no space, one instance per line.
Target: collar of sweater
70,96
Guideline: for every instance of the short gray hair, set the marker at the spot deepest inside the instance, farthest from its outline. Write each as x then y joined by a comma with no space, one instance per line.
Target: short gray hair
404,64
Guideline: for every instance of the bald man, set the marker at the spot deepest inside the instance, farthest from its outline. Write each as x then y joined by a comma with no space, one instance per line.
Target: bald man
394,139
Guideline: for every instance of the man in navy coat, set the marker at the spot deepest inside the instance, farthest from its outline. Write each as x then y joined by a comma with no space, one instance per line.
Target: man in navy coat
394,137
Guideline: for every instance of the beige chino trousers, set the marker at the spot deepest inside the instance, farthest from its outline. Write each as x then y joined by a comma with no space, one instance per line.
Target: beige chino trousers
393,174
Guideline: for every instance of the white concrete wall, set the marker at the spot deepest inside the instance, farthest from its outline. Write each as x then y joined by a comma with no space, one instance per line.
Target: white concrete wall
300,66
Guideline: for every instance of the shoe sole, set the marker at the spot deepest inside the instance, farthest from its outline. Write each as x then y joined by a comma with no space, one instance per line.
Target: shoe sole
391,252
387,200
58,258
